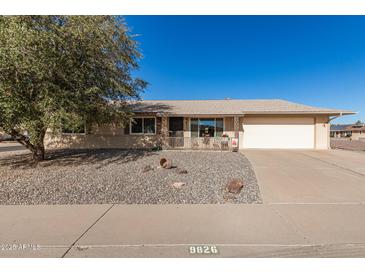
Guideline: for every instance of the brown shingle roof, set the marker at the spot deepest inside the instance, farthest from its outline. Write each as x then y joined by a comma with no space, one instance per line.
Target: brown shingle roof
355,129
229,107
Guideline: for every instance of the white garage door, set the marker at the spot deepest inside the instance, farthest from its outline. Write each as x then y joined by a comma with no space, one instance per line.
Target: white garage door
278,133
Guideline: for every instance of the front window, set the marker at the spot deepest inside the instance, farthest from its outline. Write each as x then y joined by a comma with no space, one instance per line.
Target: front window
206,127
137,125
143,125
149,125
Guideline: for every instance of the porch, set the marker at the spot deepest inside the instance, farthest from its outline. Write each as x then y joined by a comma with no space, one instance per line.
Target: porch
200,133
199,143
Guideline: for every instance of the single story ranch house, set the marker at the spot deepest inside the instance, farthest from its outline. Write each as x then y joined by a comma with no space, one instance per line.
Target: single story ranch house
211,124
355,131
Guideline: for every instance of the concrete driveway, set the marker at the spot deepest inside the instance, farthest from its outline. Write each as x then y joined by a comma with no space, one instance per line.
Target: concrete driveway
309,177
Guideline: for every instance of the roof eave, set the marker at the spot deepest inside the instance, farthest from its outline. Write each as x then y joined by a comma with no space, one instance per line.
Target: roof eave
330,113
302,112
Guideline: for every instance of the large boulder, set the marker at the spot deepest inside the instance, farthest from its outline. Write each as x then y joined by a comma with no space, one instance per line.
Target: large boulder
165,163
235,186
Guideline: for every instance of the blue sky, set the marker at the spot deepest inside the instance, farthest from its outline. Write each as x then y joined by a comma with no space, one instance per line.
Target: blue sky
314,60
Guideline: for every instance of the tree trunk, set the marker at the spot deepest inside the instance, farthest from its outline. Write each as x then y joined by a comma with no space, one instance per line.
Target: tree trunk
38,151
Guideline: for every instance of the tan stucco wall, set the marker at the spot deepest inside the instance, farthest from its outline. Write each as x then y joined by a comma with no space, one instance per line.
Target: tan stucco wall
229,126
322,132
90,141
111,129
101,136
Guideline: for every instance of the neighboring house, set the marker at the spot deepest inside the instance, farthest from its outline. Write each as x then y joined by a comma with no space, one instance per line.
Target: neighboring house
355,131
211,124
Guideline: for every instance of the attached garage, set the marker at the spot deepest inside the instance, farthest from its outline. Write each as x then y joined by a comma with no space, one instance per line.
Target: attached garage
278,132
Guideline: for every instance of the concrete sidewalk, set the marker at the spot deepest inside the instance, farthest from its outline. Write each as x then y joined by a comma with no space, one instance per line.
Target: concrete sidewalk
169,230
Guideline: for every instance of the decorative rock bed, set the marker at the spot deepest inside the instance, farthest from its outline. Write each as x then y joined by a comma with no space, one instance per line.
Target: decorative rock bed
119,176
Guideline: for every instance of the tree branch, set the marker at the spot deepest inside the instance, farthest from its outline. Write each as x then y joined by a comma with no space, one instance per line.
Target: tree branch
22,139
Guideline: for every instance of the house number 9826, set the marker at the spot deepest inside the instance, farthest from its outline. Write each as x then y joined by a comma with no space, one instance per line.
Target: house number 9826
203,249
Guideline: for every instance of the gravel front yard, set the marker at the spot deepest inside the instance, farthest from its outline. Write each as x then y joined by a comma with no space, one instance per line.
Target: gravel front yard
117,176
348,145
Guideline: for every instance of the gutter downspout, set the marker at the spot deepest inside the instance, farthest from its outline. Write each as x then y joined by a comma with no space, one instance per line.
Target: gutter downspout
329,120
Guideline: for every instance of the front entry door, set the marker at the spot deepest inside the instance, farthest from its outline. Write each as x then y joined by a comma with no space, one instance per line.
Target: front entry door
176,130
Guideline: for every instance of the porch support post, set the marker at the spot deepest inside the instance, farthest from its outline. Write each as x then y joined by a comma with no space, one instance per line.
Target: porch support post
186,127
164,131
236,125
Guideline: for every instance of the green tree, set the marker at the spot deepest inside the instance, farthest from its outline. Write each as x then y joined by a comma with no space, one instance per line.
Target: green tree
64,69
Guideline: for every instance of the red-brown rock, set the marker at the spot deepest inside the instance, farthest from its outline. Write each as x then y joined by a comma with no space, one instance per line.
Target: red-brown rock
235,186
165,163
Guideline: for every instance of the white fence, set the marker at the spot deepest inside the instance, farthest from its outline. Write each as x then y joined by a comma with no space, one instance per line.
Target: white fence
199,143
